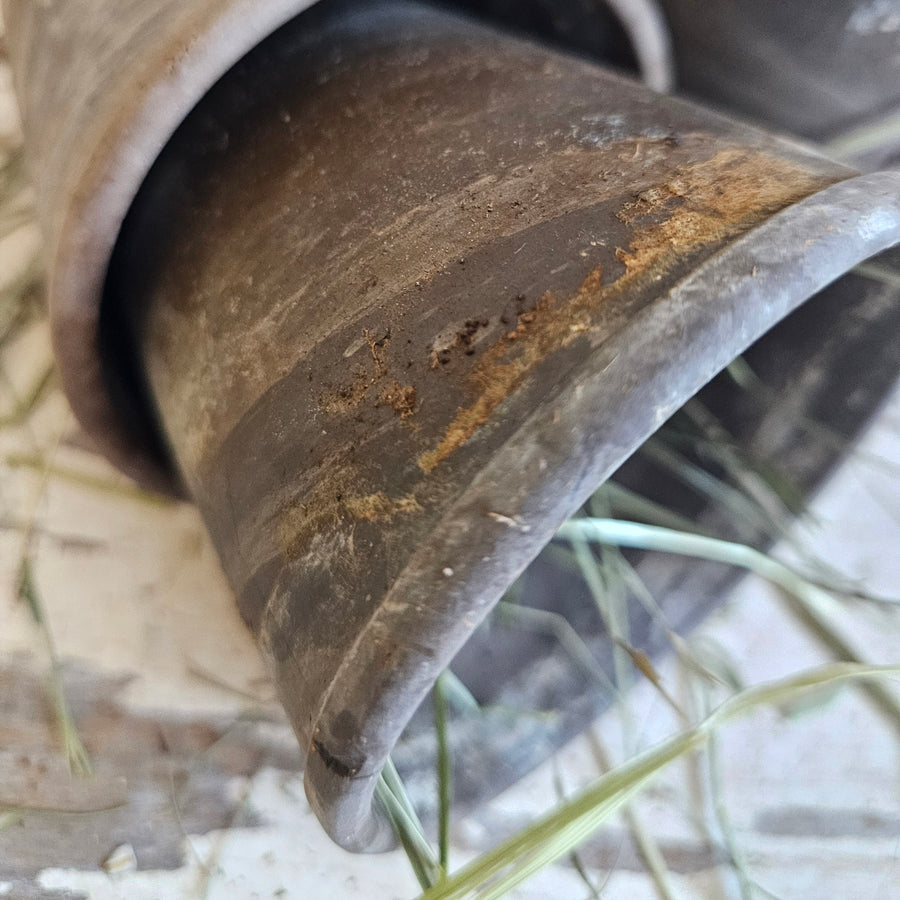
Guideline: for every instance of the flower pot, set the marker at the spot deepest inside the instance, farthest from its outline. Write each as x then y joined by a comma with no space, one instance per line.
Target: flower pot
394,298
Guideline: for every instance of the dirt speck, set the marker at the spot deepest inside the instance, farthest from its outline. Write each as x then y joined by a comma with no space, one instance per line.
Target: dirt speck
401,398
458,337
349,397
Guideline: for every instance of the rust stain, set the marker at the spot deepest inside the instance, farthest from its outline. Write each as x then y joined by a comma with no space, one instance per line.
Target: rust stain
709,202
700,205
506,363
401,398
347,398
337,499
379,507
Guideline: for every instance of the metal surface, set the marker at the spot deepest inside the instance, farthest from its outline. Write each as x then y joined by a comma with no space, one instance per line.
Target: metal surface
629,34
408,291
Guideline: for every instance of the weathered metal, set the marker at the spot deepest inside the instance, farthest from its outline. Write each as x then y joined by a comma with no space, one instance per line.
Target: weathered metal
402,291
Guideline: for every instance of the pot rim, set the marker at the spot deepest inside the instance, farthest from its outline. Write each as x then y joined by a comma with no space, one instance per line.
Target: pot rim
139,115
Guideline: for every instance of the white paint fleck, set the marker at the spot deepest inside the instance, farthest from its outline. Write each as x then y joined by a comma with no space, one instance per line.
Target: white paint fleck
355,347
510,521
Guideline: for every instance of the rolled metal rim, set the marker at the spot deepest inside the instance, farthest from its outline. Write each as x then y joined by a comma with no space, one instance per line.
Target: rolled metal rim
619,398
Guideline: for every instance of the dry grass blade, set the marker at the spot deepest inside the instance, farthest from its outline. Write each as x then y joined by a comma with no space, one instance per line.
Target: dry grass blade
24,406
28,593
76,754
124,489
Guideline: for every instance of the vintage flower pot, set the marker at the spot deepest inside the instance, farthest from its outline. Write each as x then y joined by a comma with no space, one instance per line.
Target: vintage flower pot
388,297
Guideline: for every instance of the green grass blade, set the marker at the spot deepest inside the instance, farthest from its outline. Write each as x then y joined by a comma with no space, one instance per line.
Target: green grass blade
544,621
627,503
877,272
704,483
457,695
646,845
812,605
620,533
765,483
443,771
881,133
392,795
557,834
717,789
10,817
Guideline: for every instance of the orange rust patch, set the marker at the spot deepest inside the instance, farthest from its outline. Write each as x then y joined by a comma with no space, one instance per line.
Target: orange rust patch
709,202
699,206
379,507
506,363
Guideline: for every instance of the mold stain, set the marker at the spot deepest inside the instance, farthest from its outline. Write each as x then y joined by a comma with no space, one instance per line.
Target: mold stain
699,206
